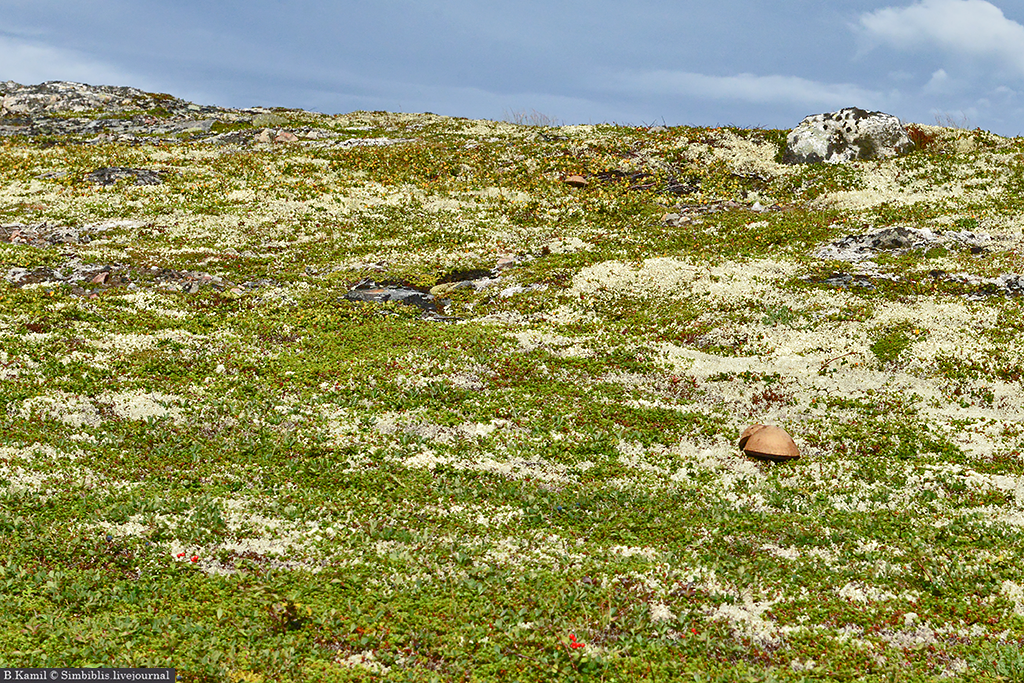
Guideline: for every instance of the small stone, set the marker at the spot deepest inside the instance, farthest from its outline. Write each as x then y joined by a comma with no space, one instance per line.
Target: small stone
285,136
100,278
266,135
505,262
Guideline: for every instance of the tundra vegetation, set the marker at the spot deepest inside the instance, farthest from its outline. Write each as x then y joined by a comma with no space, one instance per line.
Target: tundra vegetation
254,478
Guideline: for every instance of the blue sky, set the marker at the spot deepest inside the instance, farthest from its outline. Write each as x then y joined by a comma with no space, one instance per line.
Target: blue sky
727,62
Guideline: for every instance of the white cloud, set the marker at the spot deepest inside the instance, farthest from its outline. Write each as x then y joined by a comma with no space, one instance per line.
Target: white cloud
973,27
745,88
939,83
29,62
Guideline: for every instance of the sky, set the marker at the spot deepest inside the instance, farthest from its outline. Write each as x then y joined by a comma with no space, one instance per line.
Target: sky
643,62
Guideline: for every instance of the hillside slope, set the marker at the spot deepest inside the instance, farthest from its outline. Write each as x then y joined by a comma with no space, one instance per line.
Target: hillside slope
289,396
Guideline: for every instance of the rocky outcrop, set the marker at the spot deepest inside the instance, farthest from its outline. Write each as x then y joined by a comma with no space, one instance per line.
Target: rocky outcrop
62,97
856,248
102,114
846,135
368,289
861,250
95,114
109,175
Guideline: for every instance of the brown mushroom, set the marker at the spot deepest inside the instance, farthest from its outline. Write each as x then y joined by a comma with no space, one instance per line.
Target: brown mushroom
766,442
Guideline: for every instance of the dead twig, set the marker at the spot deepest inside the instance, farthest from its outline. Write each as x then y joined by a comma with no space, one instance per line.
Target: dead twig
825,363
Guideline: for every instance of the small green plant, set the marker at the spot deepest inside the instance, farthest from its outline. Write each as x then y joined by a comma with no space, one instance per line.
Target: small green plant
785,316
1005,662
891,342
285,615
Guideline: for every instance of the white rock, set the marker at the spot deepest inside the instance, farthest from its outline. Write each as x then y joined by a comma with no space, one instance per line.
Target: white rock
846,135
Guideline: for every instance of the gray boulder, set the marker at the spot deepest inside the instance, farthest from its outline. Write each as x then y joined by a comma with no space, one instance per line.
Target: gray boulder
846,135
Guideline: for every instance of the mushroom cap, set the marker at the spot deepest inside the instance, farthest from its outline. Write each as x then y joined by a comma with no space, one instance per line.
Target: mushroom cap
766,442
747,432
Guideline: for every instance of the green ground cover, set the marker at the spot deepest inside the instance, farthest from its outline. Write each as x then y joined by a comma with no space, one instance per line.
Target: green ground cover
265,481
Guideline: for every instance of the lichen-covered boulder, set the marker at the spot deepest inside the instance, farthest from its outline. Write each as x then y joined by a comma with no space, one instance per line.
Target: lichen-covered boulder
846,135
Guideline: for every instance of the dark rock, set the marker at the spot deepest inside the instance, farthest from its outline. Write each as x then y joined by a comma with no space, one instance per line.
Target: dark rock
178,127
237,137
367,142
1011,283
45,234
1007,284
111,174
70,272
846,135
891,238
369,290
464,275
844,281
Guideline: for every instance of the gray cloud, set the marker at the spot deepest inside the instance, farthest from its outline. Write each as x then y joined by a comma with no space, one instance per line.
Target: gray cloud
746,87
34,62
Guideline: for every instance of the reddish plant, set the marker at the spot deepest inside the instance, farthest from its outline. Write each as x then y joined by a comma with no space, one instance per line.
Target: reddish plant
920,137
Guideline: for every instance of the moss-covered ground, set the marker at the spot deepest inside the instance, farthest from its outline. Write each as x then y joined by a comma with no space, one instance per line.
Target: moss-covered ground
257,479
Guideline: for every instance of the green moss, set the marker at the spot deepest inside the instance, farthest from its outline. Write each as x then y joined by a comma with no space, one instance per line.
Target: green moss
29,257
891,341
